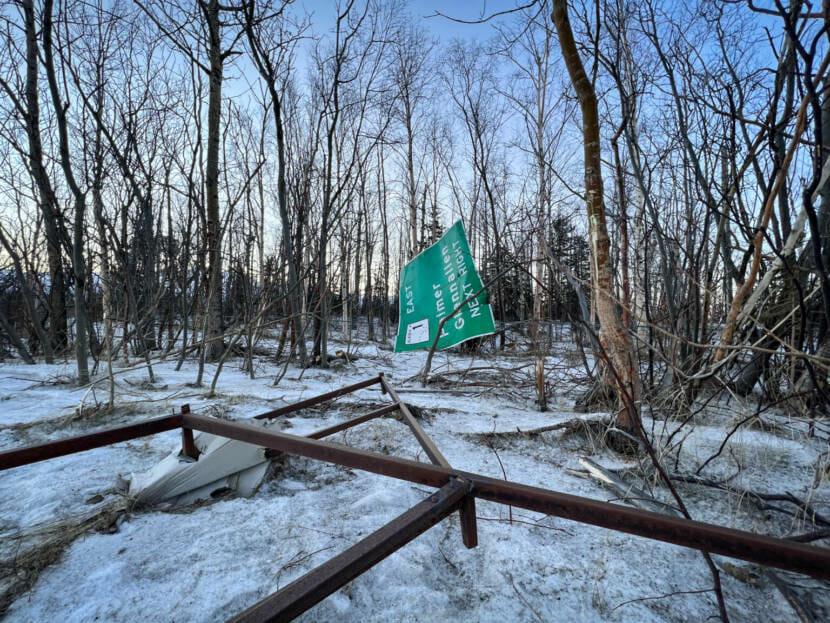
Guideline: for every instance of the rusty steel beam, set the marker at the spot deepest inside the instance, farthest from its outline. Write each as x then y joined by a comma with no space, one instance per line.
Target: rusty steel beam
763,550
308,402
420,434
54,449
466,511
188,444
319,583
810,560
403,469
325,432
469,527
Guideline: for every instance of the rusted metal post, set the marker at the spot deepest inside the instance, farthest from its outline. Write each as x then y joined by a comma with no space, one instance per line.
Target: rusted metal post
319,583
467,514
467,510
325,432
308,402
188,445
427,444
54,449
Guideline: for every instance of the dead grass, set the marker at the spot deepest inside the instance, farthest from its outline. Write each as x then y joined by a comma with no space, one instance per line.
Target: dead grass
26,554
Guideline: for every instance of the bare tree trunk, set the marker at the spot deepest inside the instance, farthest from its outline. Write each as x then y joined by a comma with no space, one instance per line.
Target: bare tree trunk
411,189
47,201
639,268
103,246
106,303
354,305
267,68
15,338
623,218
369,298
345,289
211,10
79,204
615,338
384,333
28,298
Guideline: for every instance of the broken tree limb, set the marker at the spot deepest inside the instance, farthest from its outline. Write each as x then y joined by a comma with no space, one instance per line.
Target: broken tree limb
573,425
25,554
758,240
626,492
789,247
795,603
760,499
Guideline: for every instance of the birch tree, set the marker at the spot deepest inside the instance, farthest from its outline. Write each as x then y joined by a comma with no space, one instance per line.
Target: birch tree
616,341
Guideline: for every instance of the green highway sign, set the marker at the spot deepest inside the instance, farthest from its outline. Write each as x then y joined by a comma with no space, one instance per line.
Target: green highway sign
433,284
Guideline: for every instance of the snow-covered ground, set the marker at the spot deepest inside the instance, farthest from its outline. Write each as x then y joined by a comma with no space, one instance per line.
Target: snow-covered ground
208,562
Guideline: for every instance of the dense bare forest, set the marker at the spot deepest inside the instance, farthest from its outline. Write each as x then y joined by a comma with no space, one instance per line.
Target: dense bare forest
179,177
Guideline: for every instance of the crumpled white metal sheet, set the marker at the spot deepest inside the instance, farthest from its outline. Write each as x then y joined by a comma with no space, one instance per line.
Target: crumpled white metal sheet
223,466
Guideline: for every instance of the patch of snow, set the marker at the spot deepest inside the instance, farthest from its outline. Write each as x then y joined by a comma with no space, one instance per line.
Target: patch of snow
207,563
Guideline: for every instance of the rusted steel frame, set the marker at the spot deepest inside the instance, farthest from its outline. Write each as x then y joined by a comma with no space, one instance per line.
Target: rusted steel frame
403,469
779,553
466,511
325,432
319,583
54,449
764,550
308,402
420,434
188,443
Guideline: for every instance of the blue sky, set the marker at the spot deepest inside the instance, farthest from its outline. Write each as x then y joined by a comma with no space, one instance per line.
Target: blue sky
442,28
